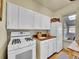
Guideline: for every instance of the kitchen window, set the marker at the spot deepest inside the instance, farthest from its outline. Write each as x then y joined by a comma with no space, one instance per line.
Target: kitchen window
69,27
72,17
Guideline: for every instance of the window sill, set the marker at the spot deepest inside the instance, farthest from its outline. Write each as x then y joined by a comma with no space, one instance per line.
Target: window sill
68,41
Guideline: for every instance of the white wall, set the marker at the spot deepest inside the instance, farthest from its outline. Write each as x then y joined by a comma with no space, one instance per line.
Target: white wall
3,34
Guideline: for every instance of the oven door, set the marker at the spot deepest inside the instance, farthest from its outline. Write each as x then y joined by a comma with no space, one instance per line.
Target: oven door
23,53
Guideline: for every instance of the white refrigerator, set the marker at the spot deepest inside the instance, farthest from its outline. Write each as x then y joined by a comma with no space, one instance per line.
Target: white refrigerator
56,30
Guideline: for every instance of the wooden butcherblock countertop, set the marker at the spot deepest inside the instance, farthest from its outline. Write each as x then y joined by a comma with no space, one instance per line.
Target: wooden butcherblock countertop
47,38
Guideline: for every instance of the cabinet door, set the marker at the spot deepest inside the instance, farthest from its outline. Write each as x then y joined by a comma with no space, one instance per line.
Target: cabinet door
37,20
54,45
59,42
44,50
26,18
50,47
59,45
45,22
12,16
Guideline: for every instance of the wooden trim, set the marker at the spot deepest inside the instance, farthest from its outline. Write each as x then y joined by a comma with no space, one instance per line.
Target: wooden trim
1,10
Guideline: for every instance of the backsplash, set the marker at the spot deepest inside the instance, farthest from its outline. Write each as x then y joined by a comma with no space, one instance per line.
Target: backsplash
31,31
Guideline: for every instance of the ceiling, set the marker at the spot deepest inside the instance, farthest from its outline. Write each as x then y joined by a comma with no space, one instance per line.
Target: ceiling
54,5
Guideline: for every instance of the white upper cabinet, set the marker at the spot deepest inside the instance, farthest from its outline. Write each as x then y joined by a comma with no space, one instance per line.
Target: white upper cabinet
26,18
45,22
41,21
22,18
12,16
37,20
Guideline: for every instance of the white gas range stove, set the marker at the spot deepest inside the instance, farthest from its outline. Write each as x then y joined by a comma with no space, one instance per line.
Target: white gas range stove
21,46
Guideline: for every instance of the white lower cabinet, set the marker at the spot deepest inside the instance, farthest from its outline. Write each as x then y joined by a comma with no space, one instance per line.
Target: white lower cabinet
52,46
44,52
45,48
59,45
42,49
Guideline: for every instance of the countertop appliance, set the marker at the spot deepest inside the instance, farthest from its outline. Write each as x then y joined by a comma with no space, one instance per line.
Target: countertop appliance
21,46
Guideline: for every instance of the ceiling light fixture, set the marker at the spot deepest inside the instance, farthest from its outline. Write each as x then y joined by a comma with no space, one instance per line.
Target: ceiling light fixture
71,0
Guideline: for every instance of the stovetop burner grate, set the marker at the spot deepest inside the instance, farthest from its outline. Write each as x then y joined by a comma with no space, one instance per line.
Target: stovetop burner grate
16,41
28,39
